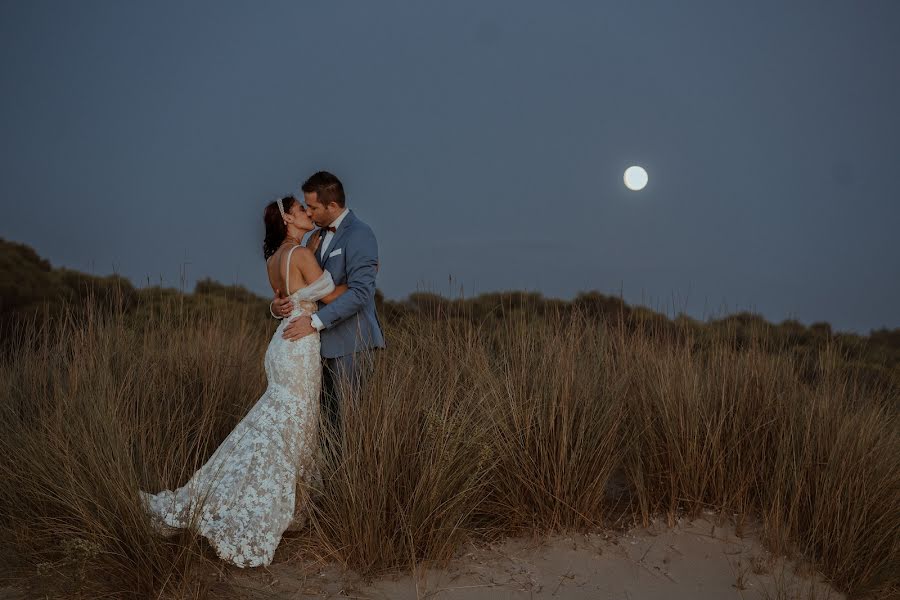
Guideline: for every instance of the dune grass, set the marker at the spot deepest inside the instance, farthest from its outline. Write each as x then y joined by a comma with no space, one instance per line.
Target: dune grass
466,430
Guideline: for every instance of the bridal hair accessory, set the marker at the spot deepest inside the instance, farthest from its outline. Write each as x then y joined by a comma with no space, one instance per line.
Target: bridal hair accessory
280,207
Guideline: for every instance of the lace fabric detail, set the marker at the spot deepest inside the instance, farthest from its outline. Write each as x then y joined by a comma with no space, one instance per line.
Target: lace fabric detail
244,497
316,290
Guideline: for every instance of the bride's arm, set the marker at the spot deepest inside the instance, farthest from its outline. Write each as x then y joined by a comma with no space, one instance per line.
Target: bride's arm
338,290
311,271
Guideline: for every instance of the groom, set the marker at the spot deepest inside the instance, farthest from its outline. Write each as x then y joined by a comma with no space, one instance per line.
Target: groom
349,327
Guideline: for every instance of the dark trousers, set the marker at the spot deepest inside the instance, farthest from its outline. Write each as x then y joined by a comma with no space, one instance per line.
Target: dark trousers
343,380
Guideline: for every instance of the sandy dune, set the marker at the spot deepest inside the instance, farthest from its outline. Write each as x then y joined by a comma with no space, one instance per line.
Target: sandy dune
695,559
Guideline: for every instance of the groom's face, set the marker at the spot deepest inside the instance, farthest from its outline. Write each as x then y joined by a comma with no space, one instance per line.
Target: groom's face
320,214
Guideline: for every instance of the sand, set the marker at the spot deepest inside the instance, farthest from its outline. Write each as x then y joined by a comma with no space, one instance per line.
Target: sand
699,558
694,559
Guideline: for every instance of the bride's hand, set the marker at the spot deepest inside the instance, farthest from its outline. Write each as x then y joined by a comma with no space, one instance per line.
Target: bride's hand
315,240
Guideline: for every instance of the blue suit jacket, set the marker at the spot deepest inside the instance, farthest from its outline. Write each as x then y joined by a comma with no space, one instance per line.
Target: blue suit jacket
351,323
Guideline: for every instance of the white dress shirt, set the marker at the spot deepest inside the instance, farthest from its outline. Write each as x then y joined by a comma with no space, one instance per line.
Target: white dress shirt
316,322
330,235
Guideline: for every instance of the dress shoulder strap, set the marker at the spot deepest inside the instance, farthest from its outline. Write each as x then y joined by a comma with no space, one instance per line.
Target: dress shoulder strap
287,272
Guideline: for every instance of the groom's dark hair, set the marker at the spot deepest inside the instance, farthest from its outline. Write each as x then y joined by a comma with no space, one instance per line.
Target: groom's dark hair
328,188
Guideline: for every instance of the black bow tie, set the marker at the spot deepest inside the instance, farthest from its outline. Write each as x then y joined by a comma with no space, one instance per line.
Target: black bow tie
327,229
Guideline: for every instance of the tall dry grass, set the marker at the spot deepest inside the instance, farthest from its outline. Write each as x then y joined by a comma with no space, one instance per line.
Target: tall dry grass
465,431
415,458
95,405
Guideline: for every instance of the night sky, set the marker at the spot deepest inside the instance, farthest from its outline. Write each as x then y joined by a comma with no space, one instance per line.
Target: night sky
483,141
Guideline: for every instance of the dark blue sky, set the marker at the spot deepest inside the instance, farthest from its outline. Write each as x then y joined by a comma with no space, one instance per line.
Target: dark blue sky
481,140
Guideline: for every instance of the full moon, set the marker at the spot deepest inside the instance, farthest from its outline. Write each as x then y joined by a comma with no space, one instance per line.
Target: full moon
635,178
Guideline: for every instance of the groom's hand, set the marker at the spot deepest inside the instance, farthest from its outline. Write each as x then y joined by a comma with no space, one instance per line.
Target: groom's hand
298,328
281,305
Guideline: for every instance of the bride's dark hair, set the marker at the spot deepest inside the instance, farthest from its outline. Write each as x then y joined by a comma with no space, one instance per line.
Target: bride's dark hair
276,230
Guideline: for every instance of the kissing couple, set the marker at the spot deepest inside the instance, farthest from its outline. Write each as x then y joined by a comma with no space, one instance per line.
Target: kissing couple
244,497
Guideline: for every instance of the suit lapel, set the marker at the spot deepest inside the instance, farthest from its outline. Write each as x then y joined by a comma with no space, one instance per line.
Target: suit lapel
338,236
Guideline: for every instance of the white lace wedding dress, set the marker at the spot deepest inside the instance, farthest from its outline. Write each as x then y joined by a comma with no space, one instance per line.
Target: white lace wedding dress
243,499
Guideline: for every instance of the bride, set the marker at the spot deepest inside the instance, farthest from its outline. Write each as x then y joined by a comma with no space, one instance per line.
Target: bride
243,499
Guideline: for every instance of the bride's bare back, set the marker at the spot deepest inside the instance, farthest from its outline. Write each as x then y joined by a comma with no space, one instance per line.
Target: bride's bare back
280,273
296,267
